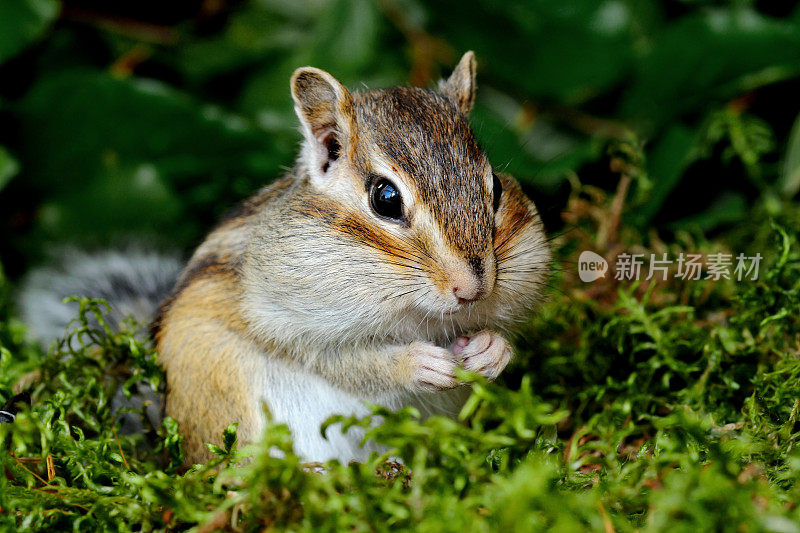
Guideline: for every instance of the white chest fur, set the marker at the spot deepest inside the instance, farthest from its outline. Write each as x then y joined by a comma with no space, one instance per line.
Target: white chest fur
303,401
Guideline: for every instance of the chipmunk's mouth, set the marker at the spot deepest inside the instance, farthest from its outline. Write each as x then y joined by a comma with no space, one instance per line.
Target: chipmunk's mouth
460,310
453,312
436,315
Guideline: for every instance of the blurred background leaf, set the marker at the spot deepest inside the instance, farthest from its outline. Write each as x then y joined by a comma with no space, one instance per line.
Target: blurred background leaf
705,57
145,121
790,176
22,22
171,154
8,167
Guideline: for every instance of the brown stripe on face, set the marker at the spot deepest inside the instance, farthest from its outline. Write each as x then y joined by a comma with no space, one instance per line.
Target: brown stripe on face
357,227
441,156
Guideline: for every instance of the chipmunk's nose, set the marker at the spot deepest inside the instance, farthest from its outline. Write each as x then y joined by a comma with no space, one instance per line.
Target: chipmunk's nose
468,284
467,292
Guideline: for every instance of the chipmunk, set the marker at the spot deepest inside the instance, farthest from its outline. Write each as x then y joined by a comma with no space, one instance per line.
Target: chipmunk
390,254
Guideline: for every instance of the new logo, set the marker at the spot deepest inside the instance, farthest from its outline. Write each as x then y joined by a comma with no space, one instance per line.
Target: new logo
591,266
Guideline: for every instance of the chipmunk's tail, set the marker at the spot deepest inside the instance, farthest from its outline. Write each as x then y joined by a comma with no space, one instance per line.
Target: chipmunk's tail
133,281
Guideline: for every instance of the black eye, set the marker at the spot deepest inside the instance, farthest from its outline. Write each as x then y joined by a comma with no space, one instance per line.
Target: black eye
497,191
385,199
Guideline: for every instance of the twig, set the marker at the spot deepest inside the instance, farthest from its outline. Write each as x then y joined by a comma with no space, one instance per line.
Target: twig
588,124
34,474
141,31
52,492
617,204
51,469
425,48
124,66
215,523
116,438
608,526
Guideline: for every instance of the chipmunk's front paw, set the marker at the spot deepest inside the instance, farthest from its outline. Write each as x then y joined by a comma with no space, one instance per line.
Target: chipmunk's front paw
486,353
432,367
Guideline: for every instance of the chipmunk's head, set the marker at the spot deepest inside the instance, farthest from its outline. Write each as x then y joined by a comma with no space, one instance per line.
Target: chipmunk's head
399,173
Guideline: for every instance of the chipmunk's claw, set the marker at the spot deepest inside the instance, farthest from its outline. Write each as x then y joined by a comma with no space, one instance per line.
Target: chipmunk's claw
485,353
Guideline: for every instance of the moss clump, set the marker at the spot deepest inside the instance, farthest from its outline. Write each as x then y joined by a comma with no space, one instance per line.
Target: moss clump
660,406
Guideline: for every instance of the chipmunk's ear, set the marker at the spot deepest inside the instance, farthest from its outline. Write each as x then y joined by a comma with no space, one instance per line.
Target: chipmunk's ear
460,86
325,109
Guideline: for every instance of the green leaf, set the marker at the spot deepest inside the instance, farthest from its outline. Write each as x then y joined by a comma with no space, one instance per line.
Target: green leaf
74,122
540,152
244,42
22,22
216,450
229,436
728,208
124,155
665,165
789,183
567,51
345,41
115,200
714,55
9,167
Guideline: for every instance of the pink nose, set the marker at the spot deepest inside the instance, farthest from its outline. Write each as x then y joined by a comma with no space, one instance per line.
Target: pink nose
467,293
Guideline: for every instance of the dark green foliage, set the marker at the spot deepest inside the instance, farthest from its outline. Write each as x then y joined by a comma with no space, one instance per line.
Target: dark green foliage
657,405
23,22
189,118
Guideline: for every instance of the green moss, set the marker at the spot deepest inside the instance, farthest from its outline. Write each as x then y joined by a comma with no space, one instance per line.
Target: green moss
663,408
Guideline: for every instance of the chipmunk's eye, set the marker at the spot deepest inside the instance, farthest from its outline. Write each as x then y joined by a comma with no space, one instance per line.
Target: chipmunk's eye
497,191
385,199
